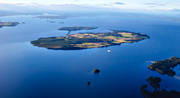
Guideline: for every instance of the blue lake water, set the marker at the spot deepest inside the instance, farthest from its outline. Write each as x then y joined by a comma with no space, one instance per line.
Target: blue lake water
27,71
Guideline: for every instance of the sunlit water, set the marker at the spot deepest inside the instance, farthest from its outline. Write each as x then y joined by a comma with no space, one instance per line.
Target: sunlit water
30,71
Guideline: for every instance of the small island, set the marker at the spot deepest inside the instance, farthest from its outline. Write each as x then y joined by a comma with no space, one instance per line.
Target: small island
76,28
165,66
8,24
51,17
89,40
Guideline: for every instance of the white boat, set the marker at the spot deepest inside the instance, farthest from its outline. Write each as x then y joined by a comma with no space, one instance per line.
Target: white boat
109,51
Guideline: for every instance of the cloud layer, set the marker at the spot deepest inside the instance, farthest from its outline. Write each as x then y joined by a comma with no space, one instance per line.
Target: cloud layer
125,5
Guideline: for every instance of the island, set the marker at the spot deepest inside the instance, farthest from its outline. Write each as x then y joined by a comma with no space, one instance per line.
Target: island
165,66
76,28
96,71
154,82
89,40
8,24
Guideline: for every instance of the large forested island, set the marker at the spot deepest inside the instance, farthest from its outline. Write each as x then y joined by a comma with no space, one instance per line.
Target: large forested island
8,24
89,40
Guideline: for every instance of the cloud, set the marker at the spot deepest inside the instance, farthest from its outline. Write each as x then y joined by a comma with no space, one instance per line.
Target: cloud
154,4
175,10
38,8
94,5
119,3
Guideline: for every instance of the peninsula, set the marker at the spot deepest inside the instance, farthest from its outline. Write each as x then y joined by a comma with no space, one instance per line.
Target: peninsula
165,66
89,40
158,91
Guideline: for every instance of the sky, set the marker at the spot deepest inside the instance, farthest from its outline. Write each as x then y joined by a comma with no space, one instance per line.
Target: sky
139,5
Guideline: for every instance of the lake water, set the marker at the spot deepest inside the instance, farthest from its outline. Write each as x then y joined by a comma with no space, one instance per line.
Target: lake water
27,71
